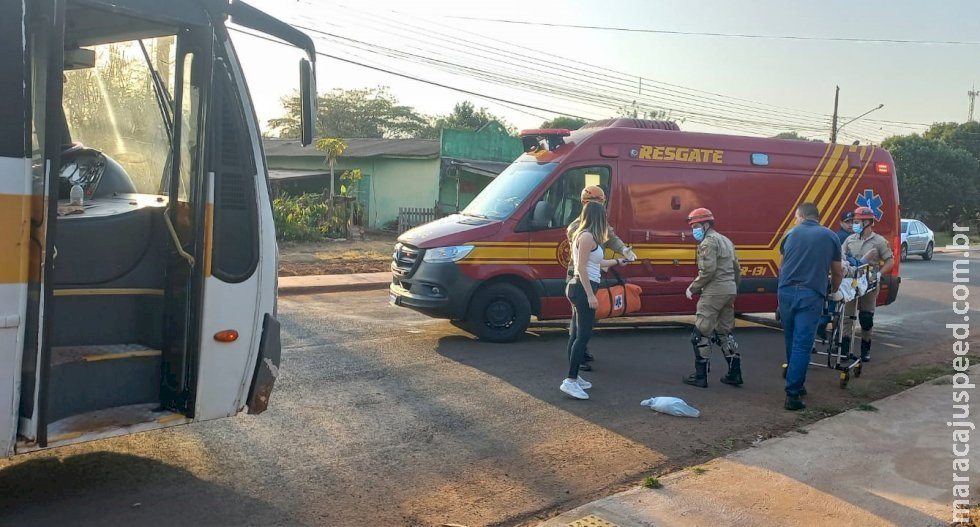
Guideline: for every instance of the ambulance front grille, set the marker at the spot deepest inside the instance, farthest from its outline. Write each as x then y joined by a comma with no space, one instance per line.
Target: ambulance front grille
405,260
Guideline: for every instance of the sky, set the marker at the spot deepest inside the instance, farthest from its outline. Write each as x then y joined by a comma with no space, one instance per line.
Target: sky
528,72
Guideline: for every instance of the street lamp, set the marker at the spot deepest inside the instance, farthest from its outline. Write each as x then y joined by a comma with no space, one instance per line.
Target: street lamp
834,138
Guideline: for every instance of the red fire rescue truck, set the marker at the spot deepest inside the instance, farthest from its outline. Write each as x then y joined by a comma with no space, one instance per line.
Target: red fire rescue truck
504,257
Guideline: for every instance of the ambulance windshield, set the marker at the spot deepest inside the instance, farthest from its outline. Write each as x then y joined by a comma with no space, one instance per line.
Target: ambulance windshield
508,190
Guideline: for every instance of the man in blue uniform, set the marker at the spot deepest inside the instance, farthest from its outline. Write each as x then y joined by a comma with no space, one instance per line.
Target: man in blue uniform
845,230
810,252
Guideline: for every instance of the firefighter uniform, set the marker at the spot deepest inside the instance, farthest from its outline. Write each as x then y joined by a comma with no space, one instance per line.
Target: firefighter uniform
717,282
855,246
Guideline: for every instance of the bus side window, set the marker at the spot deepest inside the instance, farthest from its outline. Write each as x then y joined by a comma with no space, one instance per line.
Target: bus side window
236,239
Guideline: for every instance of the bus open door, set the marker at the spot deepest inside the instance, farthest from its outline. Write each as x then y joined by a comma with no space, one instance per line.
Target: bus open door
152,303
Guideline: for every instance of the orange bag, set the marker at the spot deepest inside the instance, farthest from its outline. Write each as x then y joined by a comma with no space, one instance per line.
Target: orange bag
618,300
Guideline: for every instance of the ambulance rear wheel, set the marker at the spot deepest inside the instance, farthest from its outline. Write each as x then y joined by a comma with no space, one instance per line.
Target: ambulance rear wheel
499,313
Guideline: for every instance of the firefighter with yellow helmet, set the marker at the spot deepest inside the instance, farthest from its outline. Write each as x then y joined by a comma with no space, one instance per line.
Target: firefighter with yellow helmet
613,243
717,282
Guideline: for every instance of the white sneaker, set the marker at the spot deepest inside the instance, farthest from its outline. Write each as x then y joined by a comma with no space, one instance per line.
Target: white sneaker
584,384
572,388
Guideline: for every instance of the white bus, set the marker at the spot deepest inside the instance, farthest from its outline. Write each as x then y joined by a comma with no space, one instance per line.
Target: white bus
152,303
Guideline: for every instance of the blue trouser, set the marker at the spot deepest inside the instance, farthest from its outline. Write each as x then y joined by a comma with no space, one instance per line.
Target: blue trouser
580,329
799,309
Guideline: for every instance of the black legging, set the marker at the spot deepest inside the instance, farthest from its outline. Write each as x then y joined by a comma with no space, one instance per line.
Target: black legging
580,330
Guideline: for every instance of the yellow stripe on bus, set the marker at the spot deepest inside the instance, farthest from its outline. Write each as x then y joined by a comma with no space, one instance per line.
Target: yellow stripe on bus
15,214
108,292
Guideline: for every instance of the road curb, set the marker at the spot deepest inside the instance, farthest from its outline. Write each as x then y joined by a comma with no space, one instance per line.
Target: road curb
341,283
335,288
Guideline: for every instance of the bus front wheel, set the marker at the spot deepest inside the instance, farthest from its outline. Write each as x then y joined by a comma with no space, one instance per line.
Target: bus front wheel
499,313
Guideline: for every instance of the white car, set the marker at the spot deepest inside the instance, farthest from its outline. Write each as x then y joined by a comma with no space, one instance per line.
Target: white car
917,239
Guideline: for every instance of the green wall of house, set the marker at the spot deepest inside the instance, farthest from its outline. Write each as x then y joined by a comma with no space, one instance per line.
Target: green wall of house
389,183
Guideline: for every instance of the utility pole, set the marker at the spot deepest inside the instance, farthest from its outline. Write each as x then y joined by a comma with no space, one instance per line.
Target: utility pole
833,124
972,94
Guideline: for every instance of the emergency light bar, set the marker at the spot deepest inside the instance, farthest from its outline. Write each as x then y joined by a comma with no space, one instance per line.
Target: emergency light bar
543,139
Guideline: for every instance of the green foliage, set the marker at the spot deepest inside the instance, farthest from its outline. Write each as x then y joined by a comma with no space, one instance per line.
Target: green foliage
563,121
332,147
652,483
928,172
465,116
965,135
375,113
308,217
362,113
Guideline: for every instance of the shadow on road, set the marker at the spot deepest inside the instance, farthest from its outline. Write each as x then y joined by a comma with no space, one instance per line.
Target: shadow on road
106,488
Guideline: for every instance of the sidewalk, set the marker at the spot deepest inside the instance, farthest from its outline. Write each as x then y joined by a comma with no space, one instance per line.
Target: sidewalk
890,467
333,283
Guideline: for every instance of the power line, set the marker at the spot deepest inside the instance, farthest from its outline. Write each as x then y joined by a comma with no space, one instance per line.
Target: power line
411,77
693,92
700,115
724,35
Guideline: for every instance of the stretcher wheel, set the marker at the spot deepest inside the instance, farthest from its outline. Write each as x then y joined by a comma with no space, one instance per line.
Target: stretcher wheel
785,367
844,377
857,370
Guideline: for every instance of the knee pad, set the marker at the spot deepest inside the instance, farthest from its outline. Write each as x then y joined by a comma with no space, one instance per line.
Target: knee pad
867,320
728,345
701,344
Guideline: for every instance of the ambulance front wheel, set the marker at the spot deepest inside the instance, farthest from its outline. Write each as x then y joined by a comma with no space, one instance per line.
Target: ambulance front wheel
499,313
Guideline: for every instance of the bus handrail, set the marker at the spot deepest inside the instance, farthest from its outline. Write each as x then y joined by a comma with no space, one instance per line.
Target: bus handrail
173,236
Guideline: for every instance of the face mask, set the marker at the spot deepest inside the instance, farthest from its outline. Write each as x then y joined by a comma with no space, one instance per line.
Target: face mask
857,227
698,233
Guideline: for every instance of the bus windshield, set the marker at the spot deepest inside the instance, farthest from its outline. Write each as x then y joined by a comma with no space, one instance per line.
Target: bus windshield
508,190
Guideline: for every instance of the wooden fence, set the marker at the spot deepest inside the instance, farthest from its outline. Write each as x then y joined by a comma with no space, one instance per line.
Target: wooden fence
409,217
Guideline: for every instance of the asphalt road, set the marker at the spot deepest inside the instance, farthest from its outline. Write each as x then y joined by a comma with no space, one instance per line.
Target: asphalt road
382,416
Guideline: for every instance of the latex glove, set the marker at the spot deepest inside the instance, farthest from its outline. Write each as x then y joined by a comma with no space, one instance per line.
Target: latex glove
629,254
854,261
689,294
836,296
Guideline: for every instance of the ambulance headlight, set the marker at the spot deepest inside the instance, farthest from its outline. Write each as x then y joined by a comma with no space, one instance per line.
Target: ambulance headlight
453,253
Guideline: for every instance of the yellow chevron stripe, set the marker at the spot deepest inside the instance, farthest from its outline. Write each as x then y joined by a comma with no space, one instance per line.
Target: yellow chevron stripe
822,169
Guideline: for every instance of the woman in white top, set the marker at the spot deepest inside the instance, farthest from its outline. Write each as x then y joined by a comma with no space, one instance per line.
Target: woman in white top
588,262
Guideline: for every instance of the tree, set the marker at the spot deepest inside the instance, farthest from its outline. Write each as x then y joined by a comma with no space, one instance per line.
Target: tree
934,178
563,121
362,113
965,135
465,116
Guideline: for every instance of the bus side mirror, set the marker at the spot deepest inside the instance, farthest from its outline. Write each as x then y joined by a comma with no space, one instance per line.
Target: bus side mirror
541,217
308,111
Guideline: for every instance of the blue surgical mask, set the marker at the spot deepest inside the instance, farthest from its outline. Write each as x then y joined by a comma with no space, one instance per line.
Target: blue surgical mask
857,227
698,233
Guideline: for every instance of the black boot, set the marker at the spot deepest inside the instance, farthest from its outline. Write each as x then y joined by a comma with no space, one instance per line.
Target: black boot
845,349
794,402
700,376
734,375
865,350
